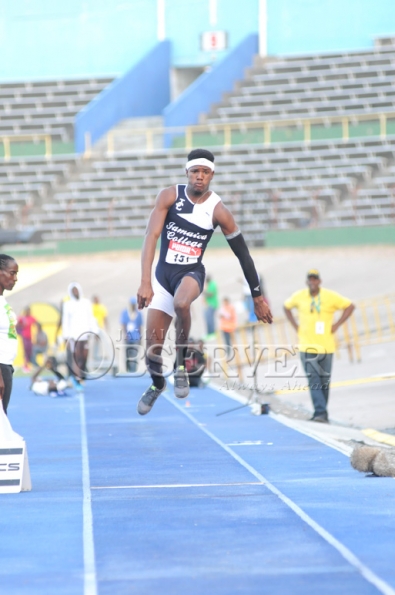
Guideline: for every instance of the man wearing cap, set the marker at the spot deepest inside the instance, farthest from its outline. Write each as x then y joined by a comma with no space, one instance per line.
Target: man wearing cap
316,307
132,322
184,217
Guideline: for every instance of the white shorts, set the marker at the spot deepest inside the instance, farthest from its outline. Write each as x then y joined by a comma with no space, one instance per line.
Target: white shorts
162,300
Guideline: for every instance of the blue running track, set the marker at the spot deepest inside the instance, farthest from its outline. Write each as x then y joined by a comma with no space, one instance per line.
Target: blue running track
183,501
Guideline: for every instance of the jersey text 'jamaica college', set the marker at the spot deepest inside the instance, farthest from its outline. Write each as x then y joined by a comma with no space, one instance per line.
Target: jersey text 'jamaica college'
187,230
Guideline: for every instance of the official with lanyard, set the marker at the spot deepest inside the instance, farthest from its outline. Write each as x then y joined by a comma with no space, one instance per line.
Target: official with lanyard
316,307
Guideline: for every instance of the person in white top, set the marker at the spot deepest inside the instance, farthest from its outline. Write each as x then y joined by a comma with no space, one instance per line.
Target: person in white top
78,323
8,334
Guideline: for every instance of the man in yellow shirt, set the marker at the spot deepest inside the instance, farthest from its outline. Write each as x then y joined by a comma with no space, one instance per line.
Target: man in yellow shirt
316,307
100,313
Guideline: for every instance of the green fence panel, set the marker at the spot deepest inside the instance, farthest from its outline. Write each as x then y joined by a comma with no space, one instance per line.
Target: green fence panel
368,128
286,134
340,236
178,142
26,149
322,132
63,148
247,137
391,126
31,149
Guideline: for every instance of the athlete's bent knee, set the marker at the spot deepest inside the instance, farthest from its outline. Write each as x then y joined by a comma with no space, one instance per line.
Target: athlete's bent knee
182,307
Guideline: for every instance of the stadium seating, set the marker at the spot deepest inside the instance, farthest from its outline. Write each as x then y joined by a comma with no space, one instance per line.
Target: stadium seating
45,107
327,182
308,86
289,185
25,185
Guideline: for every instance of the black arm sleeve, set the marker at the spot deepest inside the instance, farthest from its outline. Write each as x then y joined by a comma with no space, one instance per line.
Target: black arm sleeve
240,249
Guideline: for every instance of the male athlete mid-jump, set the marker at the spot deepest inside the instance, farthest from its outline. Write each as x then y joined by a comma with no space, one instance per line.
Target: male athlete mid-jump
185,217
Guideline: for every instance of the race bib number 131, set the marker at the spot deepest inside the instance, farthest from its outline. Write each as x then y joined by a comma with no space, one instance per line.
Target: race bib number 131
181,254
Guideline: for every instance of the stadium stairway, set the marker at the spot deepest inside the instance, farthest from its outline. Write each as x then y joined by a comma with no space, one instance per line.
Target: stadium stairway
129,135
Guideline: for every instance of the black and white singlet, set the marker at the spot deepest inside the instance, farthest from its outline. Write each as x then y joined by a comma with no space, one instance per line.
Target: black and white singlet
186,232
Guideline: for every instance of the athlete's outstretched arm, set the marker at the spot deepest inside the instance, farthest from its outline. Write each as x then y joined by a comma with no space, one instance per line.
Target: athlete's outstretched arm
224,218
164,200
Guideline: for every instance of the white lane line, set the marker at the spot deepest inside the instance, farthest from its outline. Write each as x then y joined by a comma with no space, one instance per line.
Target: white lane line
177,485
294,424
249,443
300,427
90,580
368,574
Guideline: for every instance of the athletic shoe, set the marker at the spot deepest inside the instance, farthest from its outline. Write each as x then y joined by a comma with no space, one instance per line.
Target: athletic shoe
76,384
322,419
181,383
210,336
148,399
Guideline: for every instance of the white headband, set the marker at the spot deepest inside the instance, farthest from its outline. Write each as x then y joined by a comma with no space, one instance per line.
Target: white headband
200,161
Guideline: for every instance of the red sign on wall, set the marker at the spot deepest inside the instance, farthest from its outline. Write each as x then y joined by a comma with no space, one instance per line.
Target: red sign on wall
214,41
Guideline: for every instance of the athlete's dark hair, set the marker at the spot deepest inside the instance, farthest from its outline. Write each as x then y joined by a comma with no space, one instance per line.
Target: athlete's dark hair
4,259
201,153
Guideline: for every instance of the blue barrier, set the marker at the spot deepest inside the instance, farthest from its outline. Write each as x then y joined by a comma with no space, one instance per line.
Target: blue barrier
143,91
210,86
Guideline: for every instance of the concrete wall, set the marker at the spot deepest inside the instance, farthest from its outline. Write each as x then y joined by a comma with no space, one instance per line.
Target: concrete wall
75,38
306,26
64,247
341,236
143,91
309,238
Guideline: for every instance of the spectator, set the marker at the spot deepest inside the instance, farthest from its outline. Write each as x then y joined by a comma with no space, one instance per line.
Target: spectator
41,344
78,323
132,322
100,313
8,333
64,300
211,300
195,362
24,328
316,307
227,323
53,387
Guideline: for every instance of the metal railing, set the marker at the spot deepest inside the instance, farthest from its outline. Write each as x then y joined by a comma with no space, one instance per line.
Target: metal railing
373,322
8,140
148,136
224,133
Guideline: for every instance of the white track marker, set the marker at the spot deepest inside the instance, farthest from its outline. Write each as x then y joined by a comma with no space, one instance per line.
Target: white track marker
90,581
368,574
177,485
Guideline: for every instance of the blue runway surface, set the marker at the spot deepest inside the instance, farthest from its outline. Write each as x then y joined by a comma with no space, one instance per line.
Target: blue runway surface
185,500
